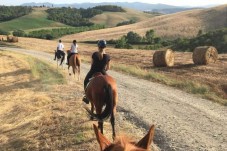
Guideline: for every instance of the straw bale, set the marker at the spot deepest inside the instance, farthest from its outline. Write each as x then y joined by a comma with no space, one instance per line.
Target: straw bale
9,38
163,58
204,55
15,39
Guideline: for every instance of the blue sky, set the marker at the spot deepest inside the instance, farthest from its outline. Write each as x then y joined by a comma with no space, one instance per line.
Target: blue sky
170,2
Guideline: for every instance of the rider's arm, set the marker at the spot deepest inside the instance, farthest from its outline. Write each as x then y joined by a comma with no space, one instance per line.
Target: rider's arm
107,66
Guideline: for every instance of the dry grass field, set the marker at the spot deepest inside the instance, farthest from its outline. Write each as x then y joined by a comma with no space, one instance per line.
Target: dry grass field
41,114
182,24
36,115
213,76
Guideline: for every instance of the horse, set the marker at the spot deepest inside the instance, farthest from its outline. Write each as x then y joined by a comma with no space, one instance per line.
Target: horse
59,57
102,91
123,144
74,62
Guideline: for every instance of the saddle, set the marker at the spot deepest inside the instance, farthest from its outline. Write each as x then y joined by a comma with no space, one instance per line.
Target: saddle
93,76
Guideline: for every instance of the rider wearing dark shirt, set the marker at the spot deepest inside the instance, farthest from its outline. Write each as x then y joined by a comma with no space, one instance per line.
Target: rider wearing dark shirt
100,63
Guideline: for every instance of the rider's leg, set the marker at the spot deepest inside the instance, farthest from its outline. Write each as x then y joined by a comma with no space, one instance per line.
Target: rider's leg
69,55
86,80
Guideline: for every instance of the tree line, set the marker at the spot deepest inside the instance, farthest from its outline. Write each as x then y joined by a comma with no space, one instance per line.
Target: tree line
150,41
216,38
50,34
10,12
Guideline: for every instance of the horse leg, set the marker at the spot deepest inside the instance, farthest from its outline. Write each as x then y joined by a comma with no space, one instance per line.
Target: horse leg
69,70
92,111
74,71
78,70
112,121
100,126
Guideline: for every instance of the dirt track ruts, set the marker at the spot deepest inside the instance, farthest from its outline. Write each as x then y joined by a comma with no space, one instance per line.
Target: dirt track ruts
183,121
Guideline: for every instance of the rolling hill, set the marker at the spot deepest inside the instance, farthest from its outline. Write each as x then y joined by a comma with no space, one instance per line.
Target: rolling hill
182,24
110,19
35,20
163,8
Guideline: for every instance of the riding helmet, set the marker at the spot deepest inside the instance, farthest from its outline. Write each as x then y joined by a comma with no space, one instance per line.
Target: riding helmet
102,43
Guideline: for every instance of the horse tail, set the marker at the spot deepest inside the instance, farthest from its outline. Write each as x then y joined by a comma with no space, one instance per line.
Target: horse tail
109,105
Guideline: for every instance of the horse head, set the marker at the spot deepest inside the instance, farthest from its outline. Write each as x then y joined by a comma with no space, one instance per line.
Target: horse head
123,144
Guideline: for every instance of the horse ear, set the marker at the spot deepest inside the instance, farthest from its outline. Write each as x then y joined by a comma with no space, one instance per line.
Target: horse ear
102,140
146,141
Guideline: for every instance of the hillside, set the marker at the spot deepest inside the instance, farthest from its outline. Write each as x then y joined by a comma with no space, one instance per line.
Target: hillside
163,8
35,20
110,19
183,24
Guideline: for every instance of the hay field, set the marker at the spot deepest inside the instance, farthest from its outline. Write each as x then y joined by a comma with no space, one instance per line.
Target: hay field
45,116
182,24
212,75
37,116
110,19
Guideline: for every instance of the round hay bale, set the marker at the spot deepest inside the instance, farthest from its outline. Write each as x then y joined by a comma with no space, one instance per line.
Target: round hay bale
163,58
15,39
9,38
203,55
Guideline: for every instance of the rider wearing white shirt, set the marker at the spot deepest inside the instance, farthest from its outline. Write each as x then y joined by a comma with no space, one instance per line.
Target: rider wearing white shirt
60,52
73,50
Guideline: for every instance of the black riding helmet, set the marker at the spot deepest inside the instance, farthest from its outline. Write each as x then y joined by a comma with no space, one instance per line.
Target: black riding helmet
101,43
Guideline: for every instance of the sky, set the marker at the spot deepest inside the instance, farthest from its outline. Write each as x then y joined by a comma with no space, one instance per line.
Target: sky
170,2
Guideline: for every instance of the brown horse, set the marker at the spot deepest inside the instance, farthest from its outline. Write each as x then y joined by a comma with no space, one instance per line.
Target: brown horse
102,91
123,144
74,62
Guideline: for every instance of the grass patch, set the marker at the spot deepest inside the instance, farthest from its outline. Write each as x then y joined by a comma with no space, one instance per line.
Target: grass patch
188,86
45,73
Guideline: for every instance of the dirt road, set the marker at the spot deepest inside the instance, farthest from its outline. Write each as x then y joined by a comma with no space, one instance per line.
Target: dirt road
183,121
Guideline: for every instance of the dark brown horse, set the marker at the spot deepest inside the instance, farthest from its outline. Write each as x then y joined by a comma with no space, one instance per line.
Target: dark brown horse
102,91
74,62
123,144
58,59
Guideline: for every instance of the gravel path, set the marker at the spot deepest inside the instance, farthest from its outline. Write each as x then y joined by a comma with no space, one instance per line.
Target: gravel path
183,121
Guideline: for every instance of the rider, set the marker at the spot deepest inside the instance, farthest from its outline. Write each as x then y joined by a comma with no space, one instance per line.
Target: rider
60,50
73,50
100,63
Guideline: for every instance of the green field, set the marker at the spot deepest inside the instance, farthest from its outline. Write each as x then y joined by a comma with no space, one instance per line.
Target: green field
35,20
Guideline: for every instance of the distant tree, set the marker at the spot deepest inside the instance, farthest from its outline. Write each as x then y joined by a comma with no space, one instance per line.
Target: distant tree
19,33
133,37
123,43
150,36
